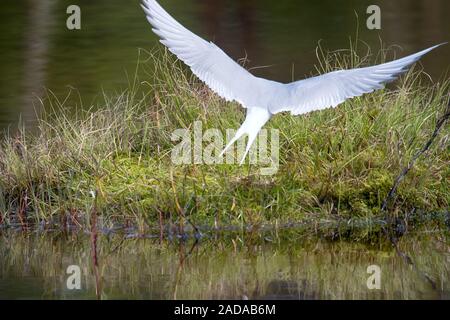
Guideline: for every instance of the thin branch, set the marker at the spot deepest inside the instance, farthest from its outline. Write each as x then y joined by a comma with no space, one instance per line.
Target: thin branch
411,163
392,238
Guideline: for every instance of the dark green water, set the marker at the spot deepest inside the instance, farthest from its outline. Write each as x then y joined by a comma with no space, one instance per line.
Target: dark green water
38,52
35,266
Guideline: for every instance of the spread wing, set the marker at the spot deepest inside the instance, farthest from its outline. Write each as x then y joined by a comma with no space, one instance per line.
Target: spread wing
331,89
207,61
232,82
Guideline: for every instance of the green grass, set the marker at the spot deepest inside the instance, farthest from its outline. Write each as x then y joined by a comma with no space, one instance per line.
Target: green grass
333,163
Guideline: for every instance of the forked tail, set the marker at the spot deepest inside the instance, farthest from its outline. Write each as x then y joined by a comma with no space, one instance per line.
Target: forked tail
255,120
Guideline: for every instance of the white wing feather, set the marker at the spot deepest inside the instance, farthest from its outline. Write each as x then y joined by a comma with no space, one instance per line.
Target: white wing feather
331,89
233,83
207,61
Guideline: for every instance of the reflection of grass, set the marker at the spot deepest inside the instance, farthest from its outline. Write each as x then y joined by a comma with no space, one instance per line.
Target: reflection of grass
338,162
141,269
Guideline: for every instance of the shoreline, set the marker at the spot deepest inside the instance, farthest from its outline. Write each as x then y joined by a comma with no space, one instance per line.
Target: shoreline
114,162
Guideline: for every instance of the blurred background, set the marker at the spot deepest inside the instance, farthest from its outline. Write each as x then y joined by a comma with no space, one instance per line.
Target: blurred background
38,52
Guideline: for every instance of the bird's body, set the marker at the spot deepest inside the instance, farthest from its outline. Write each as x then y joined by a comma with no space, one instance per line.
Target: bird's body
262,97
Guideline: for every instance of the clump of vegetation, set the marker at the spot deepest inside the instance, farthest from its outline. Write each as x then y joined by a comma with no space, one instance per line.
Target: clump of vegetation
115,160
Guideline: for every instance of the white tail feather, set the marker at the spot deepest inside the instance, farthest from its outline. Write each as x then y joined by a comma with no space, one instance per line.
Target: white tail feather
255,120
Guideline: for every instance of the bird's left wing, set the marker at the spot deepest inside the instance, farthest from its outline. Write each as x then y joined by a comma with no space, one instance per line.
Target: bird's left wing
331,89
207,61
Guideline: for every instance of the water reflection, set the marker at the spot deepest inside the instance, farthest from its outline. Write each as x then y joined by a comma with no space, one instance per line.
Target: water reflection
35,267
38,51
36,56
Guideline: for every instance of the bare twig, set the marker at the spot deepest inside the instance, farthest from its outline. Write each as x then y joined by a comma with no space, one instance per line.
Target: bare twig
411,163
392,238
94,251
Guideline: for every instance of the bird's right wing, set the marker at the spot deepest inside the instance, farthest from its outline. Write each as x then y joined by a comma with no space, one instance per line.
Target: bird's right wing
331,89
207,61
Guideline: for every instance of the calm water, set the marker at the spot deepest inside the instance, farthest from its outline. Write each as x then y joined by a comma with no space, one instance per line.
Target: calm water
37,51
35,266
